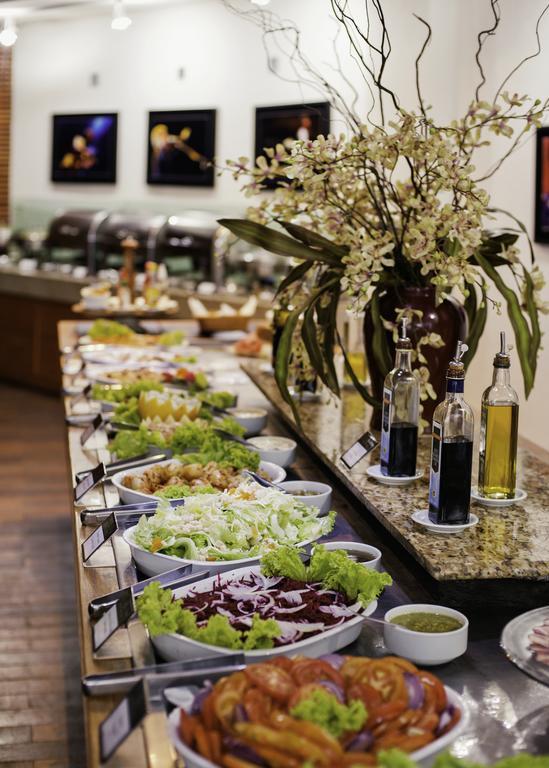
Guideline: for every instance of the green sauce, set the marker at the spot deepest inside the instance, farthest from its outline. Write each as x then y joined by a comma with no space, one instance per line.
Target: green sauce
427,622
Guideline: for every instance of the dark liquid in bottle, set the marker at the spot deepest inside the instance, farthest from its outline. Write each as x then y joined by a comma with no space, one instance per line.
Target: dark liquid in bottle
402,451
456,460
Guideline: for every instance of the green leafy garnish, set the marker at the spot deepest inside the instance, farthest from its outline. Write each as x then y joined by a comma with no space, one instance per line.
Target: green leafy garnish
170,338
127,391
107,329
332,568
323,709
128,412
181,491
162,615
217,399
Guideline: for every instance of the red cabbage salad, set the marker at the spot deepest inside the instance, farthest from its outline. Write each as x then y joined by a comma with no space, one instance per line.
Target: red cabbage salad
282,603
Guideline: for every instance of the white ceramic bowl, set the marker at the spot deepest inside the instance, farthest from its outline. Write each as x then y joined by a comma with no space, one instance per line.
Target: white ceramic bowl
284,455
426,648
193,760
127,496
254,420
322,498
154,563
360,550
175,647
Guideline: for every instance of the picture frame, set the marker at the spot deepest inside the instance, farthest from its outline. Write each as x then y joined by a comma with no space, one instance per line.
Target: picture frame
84,148
181,146
541,232
275,124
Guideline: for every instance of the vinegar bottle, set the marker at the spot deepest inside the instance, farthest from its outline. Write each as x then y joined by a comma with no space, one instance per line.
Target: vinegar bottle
452,450
499,432
400,414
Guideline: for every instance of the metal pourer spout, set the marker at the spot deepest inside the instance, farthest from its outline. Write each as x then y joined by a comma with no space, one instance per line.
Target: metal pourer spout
456,369
502,359
403,340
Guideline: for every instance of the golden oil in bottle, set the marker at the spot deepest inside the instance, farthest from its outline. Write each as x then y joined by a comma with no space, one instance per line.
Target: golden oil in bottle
499,432
498,461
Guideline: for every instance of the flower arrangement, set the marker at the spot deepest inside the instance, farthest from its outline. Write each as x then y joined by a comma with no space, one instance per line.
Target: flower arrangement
392,203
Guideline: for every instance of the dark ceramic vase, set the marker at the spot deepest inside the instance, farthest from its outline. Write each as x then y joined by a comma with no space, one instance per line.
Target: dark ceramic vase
447,319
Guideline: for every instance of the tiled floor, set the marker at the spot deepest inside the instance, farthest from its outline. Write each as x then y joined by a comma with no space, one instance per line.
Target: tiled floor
40,712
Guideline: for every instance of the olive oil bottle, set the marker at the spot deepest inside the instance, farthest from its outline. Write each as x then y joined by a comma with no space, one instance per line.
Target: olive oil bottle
499,432
452,450
400,413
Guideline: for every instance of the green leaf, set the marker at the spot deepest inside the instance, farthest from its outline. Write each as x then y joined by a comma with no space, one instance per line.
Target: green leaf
523,337
520,225
357,384
296,273
327,320
314,240
534,320
310,339
276,242
477,320
379,341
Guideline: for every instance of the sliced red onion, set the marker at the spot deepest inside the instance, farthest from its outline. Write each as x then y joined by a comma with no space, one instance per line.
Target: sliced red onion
293,609
416,694
334,660
445,718
240,714
335,610
238,749
302,626
293,597
335,689
361,742
198,701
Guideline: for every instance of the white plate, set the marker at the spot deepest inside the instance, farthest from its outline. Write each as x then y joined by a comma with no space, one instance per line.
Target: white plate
520,495
375,473
194,760
155,563
176,647
275,474
421,517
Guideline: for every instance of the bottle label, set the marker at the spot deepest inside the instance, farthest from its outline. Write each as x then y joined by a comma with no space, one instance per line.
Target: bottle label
434,480
386,425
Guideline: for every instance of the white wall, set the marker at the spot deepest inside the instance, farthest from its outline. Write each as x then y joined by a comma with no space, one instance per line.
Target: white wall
225,67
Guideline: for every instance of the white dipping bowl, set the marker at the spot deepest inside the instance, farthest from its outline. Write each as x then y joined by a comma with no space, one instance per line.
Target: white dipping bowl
254,420
321,498
360,551
426,648
128,496
278,450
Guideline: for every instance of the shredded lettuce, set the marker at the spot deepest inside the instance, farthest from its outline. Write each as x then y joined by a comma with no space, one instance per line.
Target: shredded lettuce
323,709
104,392
332,568
162,615
245,522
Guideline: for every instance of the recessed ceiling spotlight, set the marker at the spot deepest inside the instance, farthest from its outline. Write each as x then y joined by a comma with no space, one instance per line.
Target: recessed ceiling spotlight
8,35
120,19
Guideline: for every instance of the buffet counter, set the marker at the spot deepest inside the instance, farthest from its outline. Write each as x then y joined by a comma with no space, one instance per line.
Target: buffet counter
509,544
33,302
504,702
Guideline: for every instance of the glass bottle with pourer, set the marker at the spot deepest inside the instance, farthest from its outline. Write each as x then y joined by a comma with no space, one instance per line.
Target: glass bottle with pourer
452,450
499,432
399,424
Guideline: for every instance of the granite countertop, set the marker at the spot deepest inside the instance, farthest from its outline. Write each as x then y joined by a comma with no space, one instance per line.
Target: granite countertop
509,543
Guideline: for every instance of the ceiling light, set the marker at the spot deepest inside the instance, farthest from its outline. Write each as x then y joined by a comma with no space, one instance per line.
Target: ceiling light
261,2
120,19
8,35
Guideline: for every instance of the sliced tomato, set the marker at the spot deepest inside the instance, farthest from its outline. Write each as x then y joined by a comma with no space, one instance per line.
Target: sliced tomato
315,670
364,693
434,690
257,704
274,681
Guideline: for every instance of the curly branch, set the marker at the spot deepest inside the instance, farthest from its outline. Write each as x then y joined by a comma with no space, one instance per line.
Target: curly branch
526,58
422,51
482,36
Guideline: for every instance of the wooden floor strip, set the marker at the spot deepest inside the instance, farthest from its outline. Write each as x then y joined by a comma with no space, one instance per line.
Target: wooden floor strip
40,706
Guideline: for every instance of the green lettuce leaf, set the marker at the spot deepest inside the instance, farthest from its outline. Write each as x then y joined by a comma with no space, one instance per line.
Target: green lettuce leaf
323,709
284,561
262,633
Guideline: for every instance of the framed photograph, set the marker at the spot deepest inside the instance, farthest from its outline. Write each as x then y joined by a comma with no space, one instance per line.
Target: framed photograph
84,148
181,148
274,125
542,186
